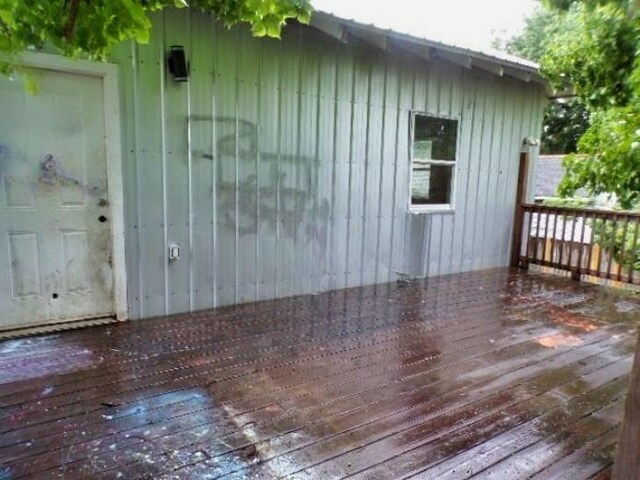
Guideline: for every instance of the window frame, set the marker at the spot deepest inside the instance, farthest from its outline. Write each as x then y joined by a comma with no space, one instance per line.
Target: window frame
435,207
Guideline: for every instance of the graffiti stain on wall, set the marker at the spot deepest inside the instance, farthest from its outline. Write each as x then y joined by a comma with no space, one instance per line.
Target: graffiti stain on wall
286,191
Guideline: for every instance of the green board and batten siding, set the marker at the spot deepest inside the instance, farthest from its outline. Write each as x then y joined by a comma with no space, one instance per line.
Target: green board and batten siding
282,167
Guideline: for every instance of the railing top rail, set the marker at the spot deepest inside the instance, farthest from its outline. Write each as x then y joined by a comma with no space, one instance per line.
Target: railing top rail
585,211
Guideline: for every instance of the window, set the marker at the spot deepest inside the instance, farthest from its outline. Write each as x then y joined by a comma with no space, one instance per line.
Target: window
433,159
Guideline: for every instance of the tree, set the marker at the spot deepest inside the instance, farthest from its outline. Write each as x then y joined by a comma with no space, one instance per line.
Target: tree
539,30
92,28
565,120
597,55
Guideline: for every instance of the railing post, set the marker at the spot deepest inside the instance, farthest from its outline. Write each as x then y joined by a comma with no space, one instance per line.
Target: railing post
518,218
627,461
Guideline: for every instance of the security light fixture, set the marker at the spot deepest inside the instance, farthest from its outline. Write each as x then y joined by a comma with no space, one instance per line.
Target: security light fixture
178,64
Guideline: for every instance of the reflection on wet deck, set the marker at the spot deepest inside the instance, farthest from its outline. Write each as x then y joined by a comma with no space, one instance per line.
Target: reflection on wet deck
492,374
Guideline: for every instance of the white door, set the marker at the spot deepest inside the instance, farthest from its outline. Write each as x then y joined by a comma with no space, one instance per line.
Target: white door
55,235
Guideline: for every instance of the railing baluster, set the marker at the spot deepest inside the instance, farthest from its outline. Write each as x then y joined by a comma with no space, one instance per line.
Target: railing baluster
553,239
634,250
528,231
602,227
572,241
545,238
613,242
536,239
591,239
622,248
564,240
583,223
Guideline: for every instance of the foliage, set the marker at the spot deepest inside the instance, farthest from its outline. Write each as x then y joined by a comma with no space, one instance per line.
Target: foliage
612,144
92,28
568,202
620,241
597,55
539,30
564,121
563,124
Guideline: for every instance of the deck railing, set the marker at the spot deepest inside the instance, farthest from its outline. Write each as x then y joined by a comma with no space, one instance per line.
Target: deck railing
604,244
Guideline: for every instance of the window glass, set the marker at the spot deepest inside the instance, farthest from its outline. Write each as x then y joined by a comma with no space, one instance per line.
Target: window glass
431,184
441,133
434,155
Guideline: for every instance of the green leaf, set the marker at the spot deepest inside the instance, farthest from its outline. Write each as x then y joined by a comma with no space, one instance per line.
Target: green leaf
304,17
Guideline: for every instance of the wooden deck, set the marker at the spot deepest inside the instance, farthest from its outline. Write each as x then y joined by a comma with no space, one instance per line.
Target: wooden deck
493,374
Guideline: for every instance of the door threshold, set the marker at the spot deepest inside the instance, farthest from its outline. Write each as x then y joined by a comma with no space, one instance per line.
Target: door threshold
56,327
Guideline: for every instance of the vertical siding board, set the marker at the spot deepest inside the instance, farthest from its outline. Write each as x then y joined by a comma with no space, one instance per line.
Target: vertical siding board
357,167
307,166
248,137
326,147
226,175
315,227
491,205
176,177
372,173
213,260
521,132
267,173
476,212
481,215
432,242
201,147
478,150
422,88
389,177
150,68
402,224
125,57
470,129
381,186
288,150
279,174
506,151
340,204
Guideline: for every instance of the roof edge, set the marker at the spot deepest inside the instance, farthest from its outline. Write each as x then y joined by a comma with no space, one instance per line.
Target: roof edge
497,63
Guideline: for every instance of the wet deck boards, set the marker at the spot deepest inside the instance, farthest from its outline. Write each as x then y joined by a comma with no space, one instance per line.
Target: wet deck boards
492,374
627,463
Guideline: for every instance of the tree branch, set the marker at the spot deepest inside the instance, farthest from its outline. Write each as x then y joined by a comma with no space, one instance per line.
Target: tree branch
71,20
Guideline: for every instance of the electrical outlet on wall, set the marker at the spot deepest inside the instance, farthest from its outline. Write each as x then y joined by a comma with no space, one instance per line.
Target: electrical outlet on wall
174,252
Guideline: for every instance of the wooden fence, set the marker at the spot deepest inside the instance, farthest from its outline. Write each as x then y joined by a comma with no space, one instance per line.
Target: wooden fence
599,243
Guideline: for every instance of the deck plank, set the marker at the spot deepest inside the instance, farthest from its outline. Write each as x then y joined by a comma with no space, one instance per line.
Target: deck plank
448,378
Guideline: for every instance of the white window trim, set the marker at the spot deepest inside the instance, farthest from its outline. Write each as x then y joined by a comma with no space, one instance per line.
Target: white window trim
435,207
108,72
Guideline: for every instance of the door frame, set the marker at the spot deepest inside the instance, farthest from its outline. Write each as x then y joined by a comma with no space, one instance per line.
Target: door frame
108,72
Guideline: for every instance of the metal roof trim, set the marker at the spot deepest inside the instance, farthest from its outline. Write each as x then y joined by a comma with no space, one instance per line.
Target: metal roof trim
527,70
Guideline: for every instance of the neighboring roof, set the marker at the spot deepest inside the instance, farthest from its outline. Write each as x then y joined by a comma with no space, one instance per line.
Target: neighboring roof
498,63
548,175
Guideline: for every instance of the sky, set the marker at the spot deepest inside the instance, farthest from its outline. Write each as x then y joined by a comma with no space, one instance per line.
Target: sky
467,23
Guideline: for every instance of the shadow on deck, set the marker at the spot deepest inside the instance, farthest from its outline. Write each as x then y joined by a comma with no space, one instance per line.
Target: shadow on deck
499,374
